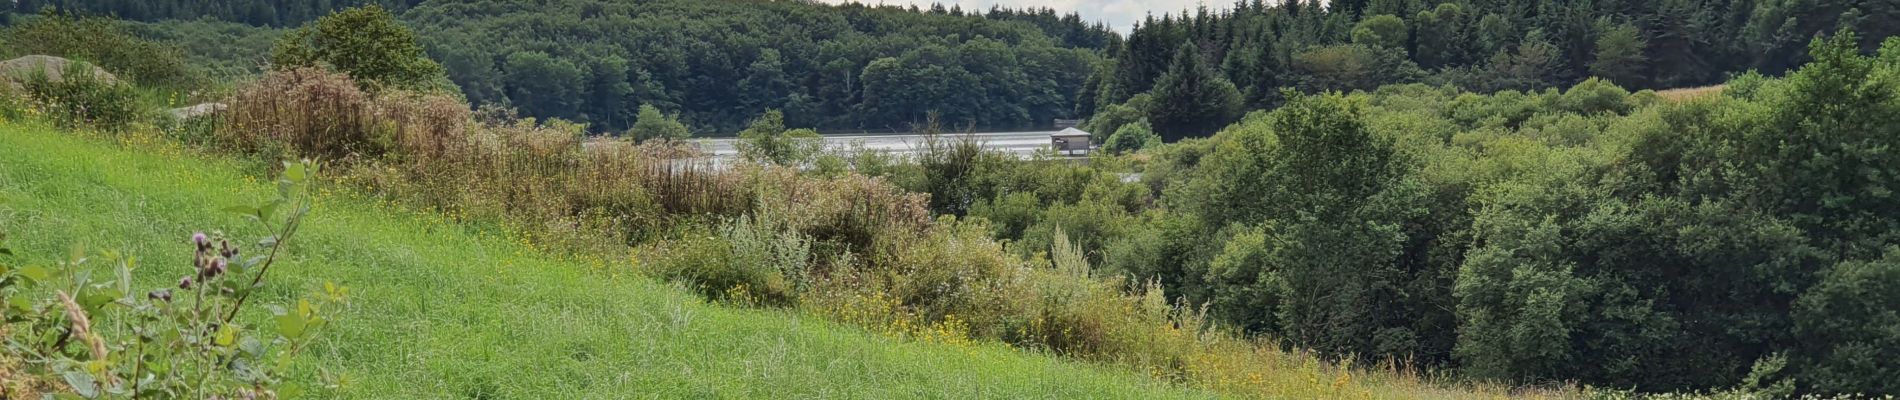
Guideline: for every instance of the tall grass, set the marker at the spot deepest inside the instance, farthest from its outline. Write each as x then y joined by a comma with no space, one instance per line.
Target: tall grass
74,97
447,310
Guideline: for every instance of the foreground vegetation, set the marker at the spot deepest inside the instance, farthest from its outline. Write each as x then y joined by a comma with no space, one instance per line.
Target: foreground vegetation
1737,242
440,309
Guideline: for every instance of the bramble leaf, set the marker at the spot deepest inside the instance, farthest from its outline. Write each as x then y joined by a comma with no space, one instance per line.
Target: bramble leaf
227,335
290,326
294,171
82,384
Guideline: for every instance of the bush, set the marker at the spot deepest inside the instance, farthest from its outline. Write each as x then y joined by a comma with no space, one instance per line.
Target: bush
317,113
321,114
767,140
1595,96
1131,138
654,125
1111,118
747,261
81,97
366,43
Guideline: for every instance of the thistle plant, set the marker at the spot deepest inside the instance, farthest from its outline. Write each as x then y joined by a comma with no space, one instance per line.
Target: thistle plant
102,339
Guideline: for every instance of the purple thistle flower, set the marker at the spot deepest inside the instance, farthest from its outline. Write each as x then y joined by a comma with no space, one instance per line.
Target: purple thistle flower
198,238
217,267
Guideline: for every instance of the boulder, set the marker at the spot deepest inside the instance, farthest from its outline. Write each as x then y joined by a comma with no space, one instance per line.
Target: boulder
197,110
17,71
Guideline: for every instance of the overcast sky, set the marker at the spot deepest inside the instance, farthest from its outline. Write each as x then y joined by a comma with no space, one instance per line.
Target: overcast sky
1119,14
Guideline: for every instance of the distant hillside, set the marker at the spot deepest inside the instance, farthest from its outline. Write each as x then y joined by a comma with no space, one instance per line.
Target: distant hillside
254,12
721,63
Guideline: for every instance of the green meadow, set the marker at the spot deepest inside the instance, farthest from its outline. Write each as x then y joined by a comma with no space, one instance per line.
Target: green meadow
443,310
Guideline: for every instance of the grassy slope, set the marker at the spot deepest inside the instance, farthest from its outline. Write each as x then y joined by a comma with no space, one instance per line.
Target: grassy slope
441,310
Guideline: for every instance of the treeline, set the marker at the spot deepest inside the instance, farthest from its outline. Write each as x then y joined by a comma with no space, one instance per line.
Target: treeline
718,64
1743,240
276,13
1478,45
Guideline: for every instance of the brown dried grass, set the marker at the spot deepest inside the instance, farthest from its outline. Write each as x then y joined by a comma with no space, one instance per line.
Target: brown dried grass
1690,93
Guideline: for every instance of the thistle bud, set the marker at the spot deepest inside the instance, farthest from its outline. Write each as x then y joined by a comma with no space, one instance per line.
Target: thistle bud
184,284
164,295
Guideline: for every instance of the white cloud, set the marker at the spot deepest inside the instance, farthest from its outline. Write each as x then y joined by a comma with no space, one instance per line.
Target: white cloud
1120,15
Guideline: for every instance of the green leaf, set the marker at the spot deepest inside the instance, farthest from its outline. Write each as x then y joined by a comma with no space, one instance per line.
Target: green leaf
81,383
251,346
288,391
294,171
290,325
92,300
227,335
35,273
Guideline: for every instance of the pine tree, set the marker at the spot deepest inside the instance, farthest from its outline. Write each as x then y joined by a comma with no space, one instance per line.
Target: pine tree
1619,56
1191,99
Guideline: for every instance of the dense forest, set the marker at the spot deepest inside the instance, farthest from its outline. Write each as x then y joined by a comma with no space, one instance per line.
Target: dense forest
717,64
721,63
1618,239
1477,45
252,12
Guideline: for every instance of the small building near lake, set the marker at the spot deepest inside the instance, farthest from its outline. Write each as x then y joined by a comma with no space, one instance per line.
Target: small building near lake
1069,141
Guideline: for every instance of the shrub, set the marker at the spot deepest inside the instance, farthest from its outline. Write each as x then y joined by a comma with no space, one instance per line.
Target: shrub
1595,96
1009,214
81,97
1131,138
767,140
654,125
367,43
1111,118
317,113
746,261
322,114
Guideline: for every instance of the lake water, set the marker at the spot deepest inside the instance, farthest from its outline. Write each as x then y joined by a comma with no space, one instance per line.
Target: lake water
1019,143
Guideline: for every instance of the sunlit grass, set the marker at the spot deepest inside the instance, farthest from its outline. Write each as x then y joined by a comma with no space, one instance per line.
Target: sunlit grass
1691,93
443,310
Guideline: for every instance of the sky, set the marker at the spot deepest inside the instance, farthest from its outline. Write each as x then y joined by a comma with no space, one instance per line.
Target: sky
1120,15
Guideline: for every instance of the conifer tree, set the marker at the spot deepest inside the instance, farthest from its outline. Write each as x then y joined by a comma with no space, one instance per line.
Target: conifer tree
1192,99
